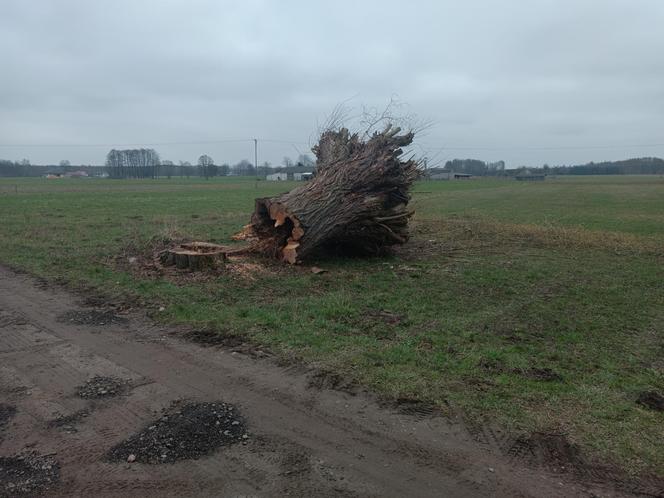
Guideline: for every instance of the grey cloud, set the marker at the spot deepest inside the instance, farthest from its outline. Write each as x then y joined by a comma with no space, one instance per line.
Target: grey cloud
514,76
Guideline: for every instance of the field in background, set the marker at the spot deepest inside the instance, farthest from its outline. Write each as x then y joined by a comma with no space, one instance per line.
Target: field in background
532,306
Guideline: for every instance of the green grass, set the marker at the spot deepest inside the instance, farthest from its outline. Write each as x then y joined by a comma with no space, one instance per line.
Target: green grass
631,204
501,277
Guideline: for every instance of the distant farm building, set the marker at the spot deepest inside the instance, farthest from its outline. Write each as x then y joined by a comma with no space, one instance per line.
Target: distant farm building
292,174
529,176
444,175
448,175
76,174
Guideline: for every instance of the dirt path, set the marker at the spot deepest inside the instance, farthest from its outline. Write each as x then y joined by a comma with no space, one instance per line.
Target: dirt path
302,441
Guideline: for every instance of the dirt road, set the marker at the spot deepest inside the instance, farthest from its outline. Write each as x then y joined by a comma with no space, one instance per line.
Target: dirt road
300,440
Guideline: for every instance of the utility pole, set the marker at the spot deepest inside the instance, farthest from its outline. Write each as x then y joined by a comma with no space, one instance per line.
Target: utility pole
256,160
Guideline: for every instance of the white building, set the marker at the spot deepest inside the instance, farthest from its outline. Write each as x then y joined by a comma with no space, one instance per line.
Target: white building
276,177
302,176
444,175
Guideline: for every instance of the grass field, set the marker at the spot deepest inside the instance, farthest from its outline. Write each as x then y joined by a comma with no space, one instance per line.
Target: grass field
536,306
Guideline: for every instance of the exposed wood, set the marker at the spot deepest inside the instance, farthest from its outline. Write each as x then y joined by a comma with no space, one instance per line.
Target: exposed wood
194,256
356,203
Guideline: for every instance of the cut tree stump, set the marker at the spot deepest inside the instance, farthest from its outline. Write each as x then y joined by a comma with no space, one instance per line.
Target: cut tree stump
194,256
355,204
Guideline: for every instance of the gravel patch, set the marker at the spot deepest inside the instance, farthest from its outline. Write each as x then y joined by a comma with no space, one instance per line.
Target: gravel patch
68,423
185,431
27,475
102,387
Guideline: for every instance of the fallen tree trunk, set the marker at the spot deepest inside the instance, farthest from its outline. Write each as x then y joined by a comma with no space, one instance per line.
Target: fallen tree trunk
356,203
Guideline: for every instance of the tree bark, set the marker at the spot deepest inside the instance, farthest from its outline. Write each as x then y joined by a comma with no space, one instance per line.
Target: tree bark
356,203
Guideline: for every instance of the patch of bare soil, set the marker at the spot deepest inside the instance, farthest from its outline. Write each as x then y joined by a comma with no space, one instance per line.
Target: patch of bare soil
182,433
324,379
452,238
417,407
146,264
381,324
27,475
386,316
97,318
68,423
543,374
225,340
102,387
208,337
555,453
552,451
7,412
652,400
245,268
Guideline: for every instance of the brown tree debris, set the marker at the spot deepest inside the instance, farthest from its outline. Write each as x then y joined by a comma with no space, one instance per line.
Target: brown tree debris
356,203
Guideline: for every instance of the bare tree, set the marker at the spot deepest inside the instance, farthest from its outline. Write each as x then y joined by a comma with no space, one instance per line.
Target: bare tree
168,167
224,169
132,163
305,160
264,169
185,169
244,168
205,164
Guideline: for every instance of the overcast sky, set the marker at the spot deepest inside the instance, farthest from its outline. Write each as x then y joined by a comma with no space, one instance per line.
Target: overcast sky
528,81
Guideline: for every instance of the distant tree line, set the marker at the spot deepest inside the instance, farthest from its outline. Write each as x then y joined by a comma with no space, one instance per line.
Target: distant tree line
24,168
207,168
146,163
475,167
636,166
16,168
133,163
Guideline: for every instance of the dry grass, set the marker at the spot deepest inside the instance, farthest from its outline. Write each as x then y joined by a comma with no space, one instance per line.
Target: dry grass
480,232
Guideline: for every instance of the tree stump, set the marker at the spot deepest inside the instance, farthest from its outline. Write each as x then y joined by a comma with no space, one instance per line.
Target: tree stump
356,203
194,256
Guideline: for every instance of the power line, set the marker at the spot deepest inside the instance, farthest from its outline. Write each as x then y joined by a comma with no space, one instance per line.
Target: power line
139,144
291,142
